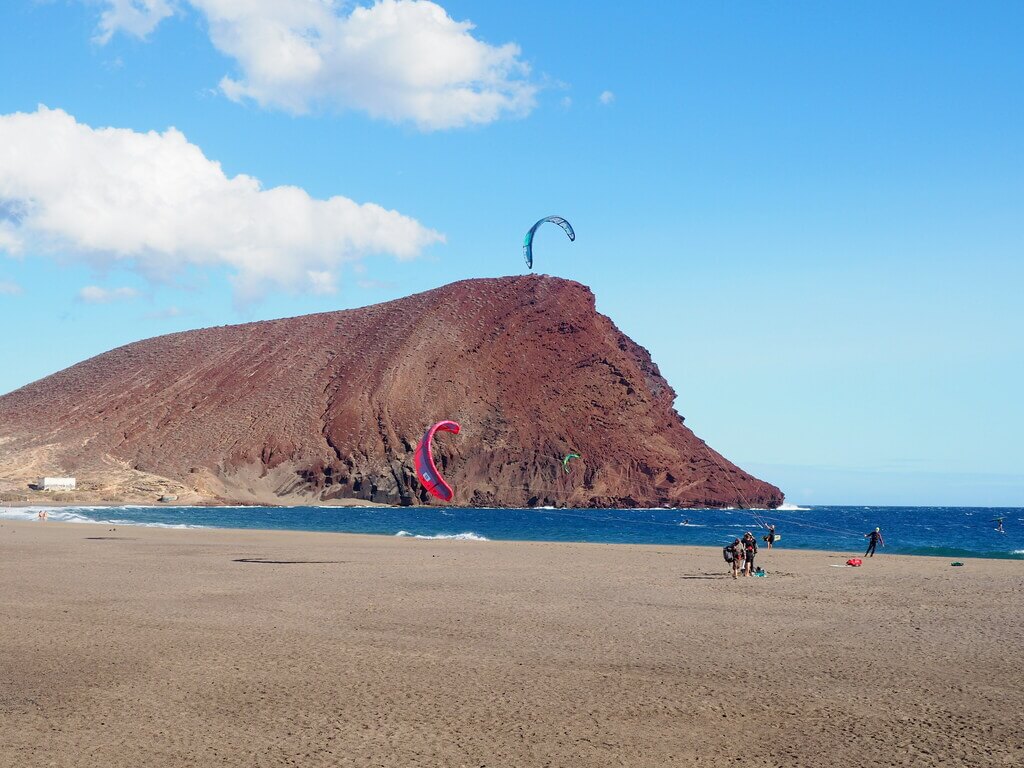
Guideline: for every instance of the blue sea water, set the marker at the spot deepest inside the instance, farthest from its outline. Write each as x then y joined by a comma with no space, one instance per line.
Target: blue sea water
954,532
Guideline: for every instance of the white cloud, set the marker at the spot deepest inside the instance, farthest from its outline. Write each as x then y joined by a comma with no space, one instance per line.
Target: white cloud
8,288
155,202
321,282
606,97
398,60
94,294
135,17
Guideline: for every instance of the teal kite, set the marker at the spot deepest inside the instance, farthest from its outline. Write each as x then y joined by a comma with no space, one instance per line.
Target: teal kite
565,461
528,240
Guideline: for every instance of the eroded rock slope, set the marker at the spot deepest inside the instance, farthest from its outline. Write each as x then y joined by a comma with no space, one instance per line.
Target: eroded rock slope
330,406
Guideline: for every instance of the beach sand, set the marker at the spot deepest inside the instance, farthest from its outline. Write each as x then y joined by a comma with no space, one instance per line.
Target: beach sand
153,647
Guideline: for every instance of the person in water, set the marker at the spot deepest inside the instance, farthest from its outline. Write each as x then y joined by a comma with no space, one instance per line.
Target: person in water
999,524
874,539
749,551
770,538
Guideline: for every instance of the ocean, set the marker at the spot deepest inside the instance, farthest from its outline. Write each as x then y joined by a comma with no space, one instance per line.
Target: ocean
954,532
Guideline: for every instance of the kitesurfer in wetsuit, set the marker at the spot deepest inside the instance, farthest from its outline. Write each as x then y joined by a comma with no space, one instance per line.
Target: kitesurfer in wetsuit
999,524
874,539
749,551
770,538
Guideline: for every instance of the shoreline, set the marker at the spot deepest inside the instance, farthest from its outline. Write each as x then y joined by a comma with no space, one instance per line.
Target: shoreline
476,538
173,504
365,504
359,504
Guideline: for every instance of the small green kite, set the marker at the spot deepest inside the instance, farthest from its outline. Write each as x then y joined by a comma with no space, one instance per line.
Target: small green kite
565,461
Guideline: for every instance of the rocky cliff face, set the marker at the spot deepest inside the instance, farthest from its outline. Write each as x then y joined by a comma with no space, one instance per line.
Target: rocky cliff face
330,406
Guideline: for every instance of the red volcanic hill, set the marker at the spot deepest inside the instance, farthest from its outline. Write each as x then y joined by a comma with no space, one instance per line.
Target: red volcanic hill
331,406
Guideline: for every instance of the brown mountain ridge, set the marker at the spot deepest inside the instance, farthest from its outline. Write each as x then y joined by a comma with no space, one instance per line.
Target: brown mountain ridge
328,407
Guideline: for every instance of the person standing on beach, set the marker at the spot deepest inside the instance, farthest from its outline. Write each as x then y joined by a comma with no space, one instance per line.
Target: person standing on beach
732,554
874,539
770,538
749,551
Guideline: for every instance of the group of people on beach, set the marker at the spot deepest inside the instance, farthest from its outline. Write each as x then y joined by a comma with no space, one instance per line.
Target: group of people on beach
741,553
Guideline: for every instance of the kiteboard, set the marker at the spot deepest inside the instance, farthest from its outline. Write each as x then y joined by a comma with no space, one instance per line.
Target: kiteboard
778,536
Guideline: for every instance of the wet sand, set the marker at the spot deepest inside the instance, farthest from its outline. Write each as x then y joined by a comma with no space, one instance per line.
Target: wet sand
141,646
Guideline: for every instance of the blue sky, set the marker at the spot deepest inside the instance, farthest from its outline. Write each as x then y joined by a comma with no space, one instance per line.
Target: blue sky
811,214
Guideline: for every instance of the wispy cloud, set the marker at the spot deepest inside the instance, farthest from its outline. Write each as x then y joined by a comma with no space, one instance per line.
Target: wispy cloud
322,282
399,60
606,97
168,313
154,202
94,294
134,17
9,288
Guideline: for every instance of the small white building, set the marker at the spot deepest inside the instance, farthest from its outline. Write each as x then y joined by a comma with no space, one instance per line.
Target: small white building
56,484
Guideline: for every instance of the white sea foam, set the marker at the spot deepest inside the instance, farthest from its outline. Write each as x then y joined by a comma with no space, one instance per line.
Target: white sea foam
693,525
468,536
783,508
73,515
1018,551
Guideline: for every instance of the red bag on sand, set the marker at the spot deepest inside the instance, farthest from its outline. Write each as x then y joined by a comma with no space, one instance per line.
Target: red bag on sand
854,561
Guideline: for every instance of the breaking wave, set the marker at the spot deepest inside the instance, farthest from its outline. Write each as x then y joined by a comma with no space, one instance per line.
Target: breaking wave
74,515
468,536
932,551
783,508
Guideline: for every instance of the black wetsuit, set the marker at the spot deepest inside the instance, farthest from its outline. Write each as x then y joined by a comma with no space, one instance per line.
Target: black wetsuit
751,549
873,538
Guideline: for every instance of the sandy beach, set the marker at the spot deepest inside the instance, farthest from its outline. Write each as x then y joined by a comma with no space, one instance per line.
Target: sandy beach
141,646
